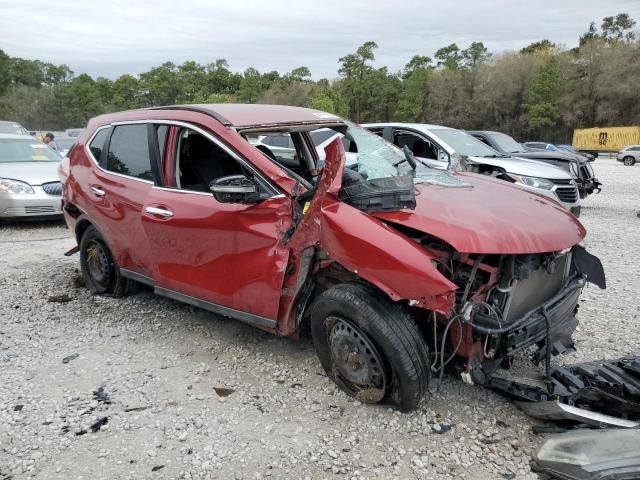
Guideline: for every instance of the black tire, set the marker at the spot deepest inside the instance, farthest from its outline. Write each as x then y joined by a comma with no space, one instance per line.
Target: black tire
362,311
629,161
99,269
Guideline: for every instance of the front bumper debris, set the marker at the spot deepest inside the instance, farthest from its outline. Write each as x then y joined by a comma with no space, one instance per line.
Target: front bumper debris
608,454
611,387
557,411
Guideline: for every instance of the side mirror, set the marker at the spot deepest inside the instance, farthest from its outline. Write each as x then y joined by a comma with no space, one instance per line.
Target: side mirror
235,189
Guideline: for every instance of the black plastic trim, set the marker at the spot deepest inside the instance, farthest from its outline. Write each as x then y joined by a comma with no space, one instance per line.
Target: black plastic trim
223,120
138,277
219,309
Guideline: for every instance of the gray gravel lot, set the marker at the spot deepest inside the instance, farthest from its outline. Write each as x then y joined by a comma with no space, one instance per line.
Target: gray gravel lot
284,418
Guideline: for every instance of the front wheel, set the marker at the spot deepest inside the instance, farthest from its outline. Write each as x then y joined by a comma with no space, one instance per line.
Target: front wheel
99,269
629,161
369,346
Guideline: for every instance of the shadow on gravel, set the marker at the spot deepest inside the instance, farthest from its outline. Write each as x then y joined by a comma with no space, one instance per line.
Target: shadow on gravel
32,223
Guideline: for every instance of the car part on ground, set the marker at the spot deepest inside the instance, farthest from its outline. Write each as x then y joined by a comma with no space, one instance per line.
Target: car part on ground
457,270
609,454
611,387
581,171
437,146
556,411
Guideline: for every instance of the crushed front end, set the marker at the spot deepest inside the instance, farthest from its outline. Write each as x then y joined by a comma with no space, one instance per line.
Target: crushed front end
511,304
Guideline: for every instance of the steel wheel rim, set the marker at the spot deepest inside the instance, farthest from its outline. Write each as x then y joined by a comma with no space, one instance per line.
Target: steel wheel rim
98,264
356,363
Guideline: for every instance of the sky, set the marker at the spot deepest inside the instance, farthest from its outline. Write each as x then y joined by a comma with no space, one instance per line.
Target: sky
112,37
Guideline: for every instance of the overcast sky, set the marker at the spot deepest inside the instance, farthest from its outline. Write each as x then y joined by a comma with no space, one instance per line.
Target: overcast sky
112,37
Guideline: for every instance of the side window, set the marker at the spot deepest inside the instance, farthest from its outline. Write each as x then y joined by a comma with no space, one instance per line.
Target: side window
97,144
200,161
129,152
421,147
282,141
321,136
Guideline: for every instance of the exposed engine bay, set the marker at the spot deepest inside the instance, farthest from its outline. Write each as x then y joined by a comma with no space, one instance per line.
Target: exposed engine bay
511,304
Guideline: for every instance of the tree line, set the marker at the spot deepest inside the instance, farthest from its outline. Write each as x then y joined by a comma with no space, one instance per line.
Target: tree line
543,91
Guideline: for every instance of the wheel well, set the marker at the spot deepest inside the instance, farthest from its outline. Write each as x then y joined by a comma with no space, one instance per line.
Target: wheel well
81,227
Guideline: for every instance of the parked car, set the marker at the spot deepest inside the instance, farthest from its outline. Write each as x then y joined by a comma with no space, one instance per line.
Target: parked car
581,171
64,144
7,126
29,184
73,132
554,148
436,145
568,148
629,155
382,259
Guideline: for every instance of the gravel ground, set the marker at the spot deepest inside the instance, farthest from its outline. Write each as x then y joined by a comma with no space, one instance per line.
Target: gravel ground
144,387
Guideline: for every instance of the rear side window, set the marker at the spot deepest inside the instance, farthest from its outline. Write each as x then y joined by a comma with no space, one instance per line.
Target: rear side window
129,152
283,141
321,136
97,143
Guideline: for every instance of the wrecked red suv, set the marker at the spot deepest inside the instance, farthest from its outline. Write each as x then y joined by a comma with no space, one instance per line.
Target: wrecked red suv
399,269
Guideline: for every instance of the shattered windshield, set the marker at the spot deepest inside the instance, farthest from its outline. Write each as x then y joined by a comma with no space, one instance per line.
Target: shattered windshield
506,143
371,155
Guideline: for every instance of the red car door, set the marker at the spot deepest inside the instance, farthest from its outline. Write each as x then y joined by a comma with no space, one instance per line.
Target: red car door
117,192
227,257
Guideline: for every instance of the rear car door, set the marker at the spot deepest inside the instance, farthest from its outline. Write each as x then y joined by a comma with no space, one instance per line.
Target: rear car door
226,257
118,189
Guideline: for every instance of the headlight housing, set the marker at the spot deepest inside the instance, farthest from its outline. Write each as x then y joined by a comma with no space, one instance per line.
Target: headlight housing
533,182
15,187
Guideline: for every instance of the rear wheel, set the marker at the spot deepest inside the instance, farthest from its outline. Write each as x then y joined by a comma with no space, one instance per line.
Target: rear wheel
629,161
99,269
369,346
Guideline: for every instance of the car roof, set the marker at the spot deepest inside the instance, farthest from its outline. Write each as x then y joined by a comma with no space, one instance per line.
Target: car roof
244,115
10,121
407,125
488,132
13,136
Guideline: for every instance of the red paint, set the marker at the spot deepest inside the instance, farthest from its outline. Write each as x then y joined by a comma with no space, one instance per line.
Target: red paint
490,217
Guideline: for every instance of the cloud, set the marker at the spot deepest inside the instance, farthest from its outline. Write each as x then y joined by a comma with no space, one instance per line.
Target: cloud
112,37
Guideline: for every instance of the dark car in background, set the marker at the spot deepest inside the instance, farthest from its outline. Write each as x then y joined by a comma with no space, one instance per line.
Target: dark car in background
555,148
580,169
570,149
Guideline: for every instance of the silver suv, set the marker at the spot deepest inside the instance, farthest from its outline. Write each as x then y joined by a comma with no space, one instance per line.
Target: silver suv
629,155
435,145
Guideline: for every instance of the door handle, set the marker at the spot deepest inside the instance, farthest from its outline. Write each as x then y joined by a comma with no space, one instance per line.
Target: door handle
98,191
162,212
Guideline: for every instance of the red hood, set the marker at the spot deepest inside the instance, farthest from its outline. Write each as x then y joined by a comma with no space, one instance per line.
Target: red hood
490,217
